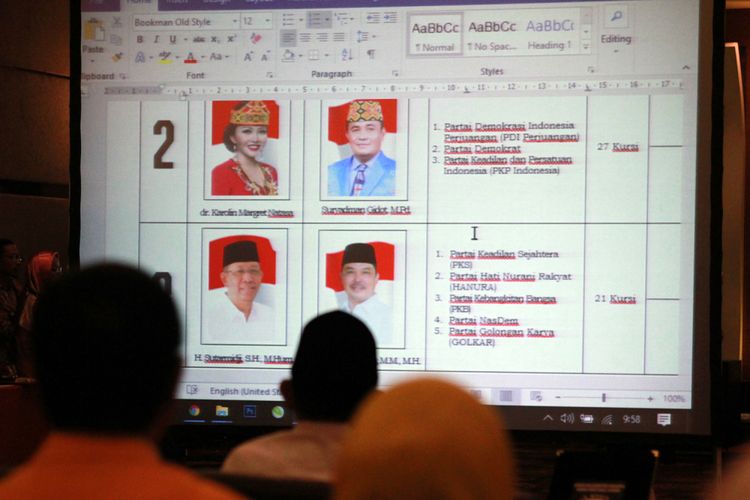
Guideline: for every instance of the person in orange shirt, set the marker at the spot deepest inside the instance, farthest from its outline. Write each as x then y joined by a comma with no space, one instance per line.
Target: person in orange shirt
106,347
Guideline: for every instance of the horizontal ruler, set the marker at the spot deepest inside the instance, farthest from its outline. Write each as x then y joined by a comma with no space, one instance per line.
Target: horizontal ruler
185,91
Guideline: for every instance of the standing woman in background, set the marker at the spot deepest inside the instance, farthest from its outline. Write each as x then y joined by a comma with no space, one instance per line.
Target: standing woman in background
245,135
40,271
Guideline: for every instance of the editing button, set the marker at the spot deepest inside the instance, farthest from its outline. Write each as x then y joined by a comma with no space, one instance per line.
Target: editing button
615,16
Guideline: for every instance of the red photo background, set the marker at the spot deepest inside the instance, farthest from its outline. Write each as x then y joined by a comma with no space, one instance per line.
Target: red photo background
266,254
384,256
220,112
337,119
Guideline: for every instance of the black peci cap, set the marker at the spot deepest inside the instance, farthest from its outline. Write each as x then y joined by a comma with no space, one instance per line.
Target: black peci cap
359,252
240,251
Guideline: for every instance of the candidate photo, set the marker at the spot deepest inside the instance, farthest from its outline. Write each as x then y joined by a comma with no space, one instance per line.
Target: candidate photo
238,307
245,128
360,129
357,276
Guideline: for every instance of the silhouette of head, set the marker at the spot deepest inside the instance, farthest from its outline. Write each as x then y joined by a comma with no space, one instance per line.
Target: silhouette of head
106,343
335,367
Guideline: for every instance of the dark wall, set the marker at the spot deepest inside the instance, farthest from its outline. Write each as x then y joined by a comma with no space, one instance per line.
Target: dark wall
34,125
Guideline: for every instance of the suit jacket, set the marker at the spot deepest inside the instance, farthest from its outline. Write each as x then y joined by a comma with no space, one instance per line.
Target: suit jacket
380,177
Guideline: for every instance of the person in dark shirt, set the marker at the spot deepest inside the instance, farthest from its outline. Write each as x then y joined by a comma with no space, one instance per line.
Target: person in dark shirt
11,304
334,370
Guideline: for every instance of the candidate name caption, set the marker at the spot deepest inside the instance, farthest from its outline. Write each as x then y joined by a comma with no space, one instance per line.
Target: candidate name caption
370,210
247,213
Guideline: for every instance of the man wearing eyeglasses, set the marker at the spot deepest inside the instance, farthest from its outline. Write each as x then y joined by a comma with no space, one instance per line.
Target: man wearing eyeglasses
234,316
11,303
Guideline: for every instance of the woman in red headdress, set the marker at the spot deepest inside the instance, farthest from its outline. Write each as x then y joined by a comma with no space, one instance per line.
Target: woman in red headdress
245,135
41,270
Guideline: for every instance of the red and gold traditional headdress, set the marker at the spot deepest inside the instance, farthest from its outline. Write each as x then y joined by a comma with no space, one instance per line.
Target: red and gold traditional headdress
252,113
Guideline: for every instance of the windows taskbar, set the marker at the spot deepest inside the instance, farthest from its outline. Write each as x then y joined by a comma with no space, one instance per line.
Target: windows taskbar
278,414
232,412
659,421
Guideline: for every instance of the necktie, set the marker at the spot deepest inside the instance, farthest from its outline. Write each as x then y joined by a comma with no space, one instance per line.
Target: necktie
359,181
